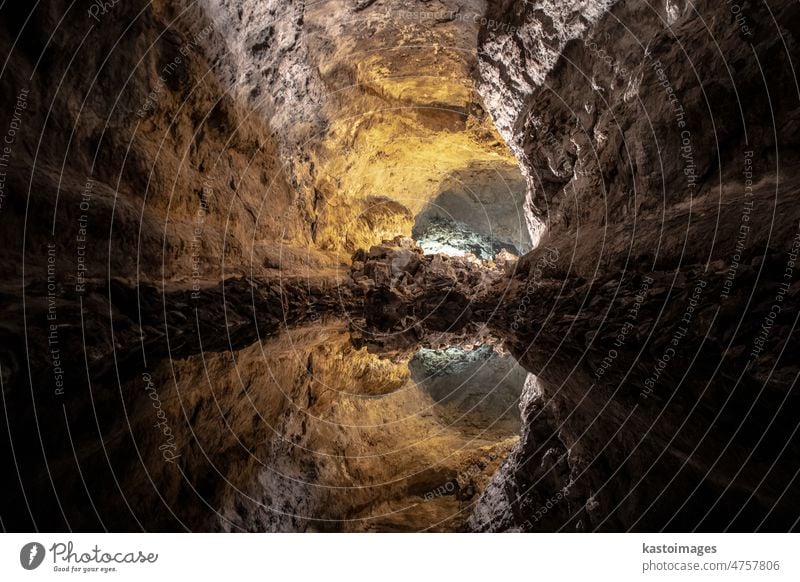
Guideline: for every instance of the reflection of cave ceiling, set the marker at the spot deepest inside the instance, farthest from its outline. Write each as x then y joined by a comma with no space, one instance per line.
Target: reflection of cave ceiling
343,438
476,389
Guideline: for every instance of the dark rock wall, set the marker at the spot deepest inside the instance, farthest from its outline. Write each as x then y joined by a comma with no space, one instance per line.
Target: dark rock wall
650,110
659,311
133,140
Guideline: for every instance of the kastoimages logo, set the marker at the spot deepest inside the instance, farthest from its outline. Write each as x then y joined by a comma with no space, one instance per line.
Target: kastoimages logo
31,555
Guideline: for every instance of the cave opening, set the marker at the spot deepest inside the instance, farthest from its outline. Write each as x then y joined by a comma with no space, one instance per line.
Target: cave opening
398,140
477,210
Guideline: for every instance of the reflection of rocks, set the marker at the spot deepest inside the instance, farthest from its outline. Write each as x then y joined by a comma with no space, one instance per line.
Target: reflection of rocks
535,471
652,398
299,432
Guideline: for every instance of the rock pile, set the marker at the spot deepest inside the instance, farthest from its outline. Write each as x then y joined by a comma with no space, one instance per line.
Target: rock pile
404,288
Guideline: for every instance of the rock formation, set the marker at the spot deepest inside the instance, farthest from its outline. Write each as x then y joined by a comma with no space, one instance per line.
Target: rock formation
655,141
215,317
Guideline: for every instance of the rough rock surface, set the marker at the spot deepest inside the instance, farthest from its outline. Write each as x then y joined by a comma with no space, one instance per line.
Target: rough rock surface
405,291
487,207
368,137
133,159
659,310
637,121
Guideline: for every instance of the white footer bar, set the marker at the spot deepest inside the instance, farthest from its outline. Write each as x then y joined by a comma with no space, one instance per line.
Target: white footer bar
353,558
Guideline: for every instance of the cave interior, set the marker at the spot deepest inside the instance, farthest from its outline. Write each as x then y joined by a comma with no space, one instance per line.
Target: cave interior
375,266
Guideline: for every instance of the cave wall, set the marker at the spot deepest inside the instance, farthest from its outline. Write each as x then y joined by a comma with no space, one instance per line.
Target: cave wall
195,141
133,140
658,311
367,138
633,118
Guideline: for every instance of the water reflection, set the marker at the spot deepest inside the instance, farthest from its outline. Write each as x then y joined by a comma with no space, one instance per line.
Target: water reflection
477,389
304,431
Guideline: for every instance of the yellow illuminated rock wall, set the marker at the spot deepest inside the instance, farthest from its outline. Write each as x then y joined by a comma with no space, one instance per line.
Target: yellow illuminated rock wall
403,116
